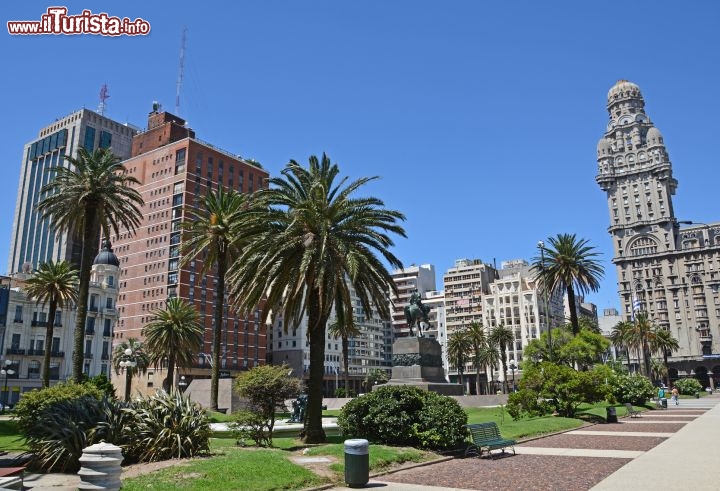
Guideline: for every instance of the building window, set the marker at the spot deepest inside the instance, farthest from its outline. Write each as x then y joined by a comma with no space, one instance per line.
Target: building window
34,369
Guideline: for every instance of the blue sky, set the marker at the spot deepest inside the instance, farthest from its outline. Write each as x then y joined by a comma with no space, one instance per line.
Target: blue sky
482,118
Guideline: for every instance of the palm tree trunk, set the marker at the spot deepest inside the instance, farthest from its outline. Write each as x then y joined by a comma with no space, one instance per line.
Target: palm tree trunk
504,369
667,369
313,431
573,311
170,381
346,361
646,358
490,380
48,342
217,330
90,247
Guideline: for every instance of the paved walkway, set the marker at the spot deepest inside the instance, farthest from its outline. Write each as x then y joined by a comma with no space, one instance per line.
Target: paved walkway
684,454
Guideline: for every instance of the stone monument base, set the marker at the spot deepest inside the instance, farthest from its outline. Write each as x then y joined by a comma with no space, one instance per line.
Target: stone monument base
418,362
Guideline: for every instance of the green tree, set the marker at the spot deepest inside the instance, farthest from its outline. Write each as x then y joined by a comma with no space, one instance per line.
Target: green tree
458,350
664,343
502,337
621,338
54,284
93,194
489,358
570,266
658,371
375,376
308,244
174,333
212,233
476,332
267,387
138,356
345,332
643,336
581,351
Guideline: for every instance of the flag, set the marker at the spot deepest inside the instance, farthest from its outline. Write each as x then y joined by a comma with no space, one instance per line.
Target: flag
635,306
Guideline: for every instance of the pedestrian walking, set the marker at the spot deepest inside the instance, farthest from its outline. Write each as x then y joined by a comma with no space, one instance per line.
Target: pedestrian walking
675,395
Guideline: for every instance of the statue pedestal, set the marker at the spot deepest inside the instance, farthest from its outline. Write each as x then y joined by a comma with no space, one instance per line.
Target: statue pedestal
418,362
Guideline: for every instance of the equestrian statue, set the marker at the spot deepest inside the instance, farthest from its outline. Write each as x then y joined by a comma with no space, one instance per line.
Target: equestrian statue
416,313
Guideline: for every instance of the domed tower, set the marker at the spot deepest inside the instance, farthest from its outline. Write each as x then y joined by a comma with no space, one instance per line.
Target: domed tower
106,266
635,172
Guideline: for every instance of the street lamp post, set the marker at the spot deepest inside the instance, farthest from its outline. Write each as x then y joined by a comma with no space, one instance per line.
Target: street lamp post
7,371
513,366
541,246
182,385
128,364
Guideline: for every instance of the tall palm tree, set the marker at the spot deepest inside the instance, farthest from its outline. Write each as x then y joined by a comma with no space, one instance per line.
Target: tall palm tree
93,195
569,265
664,343
489,358
345,332
644,335
477,337
211,233
620,337
658,371
458,348
502,337
175,334
308,243
137,355
54,284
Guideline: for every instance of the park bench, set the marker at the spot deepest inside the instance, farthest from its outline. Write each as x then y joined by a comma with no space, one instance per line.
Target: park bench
487,436
634,413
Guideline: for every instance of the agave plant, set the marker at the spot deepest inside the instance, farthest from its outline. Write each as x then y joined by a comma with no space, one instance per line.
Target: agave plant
166,426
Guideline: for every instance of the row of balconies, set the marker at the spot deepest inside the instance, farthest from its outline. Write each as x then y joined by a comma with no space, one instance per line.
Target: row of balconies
33,352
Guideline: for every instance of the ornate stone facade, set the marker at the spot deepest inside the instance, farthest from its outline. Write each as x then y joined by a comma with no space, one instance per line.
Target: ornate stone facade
673,272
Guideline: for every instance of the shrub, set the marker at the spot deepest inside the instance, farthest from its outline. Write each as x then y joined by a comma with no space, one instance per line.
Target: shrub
250,425
386,414
527,402
635,389
688,385
165,426
28,410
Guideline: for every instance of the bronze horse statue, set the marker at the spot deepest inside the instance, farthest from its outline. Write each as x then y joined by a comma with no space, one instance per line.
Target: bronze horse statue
416,313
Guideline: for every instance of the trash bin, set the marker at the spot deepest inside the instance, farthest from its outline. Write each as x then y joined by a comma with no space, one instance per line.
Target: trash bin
697,395
611,416
357,463
663,401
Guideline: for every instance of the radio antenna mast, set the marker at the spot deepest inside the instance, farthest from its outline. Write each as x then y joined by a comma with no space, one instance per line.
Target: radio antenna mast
181,70
104,95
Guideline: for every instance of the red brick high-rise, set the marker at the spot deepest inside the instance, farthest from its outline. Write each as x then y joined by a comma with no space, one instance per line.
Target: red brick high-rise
176,171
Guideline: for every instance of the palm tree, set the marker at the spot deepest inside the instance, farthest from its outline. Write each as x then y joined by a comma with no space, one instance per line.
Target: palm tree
55,284
502,337
137,355
621,337
459,345
310,241
345,332
174,333
665,343
569,265
91,196
489,358
212,234
644,335
658,370
477,338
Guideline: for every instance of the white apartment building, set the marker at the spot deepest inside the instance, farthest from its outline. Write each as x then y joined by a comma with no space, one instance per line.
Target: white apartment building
407,280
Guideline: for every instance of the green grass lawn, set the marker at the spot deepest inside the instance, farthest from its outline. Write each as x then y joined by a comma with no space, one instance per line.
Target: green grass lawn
10,439
522,428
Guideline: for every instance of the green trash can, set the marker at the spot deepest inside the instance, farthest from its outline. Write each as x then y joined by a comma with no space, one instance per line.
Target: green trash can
357,463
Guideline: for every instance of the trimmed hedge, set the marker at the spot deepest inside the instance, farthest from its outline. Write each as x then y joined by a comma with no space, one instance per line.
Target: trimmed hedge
407,416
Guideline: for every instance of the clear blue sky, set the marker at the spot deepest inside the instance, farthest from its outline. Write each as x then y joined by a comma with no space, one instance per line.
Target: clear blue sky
482,118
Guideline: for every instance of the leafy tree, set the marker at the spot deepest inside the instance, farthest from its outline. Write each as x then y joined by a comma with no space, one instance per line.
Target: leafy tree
310,241
569,265
213,233
476,332
375,376
688,385
664,343
103,383
635,389
658,372
458,349
566,387
92,195
54,284
642,335
580,351
139,356
345,332
175,334
621,338
267,387
502,337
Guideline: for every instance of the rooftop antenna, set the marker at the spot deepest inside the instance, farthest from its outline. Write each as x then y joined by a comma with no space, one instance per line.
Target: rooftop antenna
104,95
181,70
